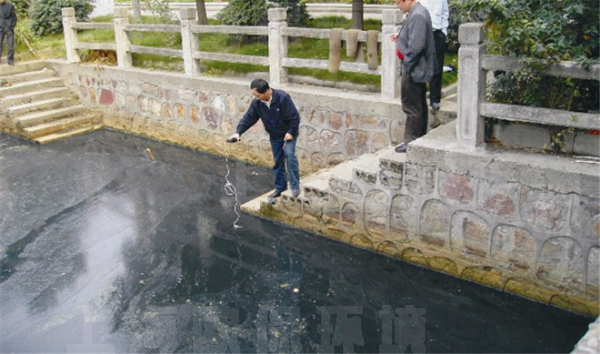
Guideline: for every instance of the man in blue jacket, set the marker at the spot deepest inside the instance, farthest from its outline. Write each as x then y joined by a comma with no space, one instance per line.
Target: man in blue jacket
8,21
281,120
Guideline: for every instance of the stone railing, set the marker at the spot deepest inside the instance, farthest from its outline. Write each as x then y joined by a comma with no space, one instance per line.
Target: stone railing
277,31
475,64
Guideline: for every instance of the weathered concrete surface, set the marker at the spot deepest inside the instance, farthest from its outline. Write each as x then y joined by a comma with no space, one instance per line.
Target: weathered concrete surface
590,343
520,222
113,243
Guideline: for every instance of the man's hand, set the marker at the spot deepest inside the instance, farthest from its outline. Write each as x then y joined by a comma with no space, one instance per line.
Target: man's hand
234,138
394,37
288,137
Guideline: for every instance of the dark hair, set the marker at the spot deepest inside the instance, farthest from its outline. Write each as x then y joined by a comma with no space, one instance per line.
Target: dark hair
260,85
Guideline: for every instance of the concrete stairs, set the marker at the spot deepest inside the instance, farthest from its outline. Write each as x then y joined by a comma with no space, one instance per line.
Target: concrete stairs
384,167
36,105
350,177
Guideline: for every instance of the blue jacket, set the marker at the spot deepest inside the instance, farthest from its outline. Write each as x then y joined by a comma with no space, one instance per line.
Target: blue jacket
281,118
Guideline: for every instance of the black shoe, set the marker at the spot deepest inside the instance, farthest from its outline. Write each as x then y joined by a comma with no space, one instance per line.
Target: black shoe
401,148
275,194
435,106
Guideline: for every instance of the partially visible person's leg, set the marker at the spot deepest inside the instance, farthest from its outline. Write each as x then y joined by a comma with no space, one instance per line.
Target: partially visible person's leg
1,44
412,94
424,120
293,166
435,86
10,47
279,165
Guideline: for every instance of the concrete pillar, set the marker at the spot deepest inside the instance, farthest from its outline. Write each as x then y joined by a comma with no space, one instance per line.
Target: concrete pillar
189,41
121,20
390,64
278,46
137,12
68,20
471,84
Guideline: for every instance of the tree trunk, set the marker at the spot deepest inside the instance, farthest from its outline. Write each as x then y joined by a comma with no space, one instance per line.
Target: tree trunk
201,10
135,6
357,14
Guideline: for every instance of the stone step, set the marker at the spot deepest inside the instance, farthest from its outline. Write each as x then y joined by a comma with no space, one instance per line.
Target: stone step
47,116
28,76
68,133
33,96
447,113
42,105
22,67
28,86
367,167
59,125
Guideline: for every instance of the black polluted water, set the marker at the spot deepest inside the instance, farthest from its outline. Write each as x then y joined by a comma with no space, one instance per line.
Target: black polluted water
112,243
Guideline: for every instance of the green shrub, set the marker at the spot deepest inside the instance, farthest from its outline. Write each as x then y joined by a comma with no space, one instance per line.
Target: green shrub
244,13
254,13
22,7
541,32
46,15
297,16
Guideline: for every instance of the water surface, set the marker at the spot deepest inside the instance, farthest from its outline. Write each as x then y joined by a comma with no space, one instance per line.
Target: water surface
108,247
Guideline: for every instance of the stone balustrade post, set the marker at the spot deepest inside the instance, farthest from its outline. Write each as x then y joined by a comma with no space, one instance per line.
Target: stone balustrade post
471,84
390,64
278,46
189,41
68,20
121,20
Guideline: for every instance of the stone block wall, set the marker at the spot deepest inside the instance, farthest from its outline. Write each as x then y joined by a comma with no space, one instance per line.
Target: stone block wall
202,112
529,225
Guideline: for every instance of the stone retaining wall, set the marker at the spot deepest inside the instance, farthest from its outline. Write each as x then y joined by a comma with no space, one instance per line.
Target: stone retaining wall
524,223
202,112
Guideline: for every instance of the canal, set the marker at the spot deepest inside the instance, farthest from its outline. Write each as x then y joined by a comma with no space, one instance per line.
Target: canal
114,243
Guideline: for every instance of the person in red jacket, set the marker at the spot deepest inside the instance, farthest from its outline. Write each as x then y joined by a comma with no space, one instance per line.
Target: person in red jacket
8,21
281,120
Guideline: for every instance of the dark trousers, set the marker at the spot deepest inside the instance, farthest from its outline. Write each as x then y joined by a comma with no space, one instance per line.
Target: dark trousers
10,45
435,86
414,104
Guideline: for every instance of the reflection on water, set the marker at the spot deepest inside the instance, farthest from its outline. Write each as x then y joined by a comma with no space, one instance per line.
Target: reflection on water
104,250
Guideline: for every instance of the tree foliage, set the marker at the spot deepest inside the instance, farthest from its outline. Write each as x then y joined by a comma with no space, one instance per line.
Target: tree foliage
297,15
541,32
254,13
46,15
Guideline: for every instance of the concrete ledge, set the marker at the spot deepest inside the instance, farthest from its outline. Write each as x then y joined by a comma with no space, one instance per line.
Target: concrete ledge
557,173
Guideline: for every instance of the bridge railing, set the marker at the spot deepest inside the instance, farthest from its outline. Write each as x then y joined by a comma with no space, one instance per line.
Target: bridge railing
475,63
277,32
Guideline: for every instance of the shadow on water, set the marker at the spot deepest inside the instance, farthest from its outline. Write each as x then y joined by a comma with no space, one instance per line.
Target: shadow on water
105,247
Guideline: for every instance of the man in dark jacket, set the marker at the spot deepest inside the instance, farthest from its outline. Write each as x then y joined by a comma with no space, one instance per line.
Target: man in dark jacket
281,120
8,21
416,43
